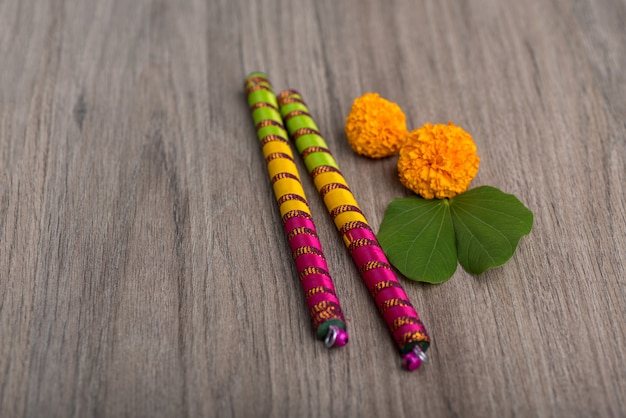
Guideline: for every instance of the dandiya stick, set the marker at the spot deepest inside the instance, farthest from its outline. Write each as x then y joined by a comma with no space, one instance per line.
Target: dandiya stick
324,307
392,301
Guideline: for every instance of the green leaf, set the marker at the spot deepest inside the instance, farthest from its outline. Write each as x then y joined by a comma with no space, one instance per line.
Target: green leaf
418,238
488,225
482,227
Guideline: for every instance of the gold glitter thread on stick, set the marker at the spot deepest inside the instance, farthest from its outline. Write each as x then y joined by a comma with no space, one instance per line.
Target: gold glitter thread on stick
392,301
306,250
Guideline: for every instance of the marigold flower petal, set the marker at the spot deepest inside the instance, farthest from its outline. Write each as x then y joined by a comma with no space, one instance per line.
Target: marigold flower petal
375,127
438,161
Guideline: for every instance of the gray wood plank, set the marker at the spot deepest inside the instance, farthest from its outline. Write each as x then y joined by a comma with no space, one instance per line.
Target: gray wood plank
143,267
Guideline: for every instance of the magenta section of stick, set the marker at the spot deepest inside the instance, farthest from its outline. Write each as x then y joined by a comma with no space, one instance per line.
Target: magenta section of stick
367,253
359,233
408,329
303,240
313,280
372,277
390,293
298,222
320,297
398,312
310,260
305,261
316,280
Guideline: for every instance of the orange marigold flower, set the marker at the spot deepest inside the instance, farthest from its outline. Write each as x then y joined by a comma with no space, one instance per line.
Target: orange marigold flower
375,127
438,161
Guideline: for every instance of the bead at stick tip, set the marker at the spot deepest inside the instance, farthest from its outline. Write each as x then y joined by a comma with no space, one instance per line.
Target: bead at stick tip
336,337
415,358
342,338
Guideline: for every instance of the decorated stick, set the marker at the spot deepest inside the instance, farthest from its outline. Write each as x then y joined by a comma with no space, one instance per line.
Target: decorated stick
390,298
324,307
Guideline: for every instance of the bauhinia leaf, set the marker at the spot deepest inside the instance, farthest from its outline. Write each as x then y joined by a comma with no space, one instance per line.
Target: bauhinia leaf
482,227
418,238
488,225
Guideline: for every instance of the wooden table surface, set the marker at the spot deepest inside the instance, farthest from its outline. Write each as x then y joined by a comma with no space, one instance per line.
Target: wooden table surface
143,267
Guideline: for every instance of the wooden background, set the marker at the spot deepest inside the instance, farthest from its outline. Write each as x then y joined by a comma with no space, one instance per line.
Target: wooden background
144,271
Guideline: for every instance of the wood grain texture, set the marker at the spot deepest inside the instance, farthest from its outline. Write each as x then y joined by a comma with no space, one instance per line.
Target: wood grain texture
143,267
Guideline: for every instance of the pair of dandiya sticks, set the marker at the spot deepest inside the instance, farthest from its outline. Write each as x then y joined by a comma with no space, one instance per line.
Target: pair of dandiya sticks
270,115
